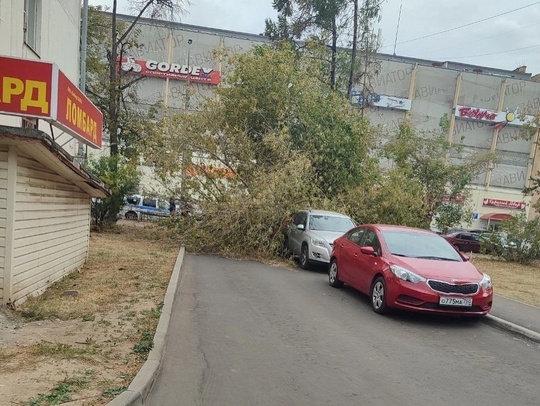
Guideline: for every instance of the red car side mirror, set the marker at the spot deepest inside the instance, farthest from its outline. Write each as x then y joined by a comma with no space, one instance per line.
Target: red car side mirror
368,251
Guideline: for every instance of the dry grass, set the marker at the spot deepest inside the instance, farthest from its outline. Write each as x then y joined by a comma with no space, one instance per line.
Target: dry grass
120,263
106,328
515,281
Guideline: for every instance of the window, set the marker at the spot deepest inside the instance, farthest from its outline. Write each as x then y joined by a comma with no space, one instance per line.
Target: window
32,23
164,205
149,202
355,236
371,240
133,199
29,122
330,223
300,218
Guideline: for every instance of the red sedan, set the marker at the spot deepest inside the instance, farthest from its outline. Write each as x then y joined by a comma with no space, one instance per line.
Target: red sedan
409,268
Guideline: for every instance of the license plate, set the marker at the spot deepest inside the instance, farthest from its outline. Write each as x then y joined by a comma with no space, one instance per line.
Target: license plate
455,301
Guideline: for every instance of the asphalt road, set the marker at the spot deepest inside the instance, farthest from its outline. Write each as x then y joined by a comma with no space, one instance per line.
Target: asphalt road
243,333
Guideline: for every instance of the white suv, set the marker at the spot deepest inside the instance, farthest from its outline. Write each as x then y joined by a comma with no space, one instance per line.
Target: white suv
311,235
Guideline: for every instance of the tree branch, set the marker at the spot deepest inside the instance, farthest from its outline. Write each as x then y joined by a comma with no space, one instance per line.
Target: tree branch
138,79
130,28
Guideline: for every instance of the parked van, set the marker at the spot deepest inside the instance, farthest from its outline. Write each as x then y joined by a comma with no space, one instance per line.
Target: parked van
139,207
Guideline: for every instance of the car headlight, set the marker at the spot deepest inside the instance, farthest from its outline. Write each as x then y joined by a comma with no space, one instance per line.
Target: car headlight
406,275
319,242
486,282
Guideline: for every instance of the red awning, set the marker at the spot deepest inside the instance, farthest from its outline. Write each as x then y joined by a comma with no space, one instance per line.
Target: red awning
495,216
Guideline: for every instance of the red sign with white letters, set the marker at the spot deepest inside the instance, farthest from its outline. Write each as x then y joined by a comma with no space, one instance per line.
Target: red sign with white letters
165,70
505,204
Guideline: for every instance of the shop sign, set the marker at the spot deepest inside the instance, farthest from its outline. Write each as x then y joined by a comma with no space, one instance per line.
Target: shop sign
504,204
165,70
448,199
497,118
76,113
39,89
381,100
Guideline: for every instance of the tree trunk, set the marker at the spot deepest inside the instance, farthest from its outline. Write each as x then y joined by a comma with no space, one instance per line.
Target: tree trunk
113,86
353,50
334,52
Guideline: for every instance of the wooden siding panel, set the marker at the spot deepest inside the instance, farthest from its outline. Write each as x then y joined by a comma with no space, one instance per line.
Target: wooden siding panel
52,227
31,185
42,278
41,219
59,242
51,261
51,256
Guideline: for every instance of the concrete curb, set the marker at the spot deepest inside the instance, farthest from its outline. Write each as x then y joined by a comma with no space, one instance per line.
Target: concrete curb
514,328
142,383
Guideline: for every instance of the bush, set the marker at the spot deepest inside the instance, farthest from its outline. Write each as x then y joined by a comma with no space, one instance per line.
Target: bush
518,240
122,179
249,224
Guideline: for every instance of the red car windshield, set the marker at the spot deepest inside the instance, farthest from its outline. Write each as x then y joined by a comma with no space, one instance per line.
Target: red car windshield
416,244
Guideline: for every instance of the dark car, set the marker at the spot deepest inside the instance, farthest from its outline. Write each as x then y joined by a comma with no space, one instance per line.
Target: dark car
464,241
409,268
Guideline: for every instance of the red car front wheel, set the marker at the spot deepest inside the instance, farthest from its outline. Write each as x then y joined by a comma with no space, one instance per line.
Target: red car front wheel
378,296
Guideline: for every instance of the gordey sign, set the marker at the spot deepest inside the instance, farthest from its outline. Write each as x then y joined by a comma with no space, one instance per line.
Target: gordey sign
165,70
38,89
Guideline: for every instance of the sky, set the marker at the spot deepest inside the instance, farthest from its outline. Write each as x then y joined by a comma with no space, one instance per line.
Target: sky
495,34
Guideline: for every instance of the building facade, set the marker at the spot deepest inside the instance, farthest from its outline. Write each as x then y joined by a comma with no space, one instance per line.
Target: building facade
45,197
42,30
487,108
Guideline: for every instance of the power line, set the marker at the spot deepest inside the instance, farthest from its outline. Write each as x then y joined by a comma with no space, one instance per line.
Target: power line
468,24
481,39
492,53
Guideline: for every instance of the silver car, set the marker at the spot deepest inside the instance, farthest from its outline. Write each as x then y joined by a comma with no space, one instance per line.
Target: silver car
311,235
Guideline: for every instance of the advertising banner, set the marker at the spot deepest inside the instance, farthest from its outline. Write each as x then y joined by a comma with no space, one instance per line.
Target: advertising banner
496,118
175,71
504,204
381,100
38,89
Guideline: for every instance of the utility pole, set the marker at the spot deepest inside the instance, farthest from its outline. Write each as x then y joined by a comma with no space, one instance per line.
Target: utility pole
366,33
186,109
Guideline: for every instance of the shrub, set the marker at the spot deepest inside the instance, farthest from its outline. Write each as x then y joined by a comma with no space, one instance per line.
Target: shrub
517,240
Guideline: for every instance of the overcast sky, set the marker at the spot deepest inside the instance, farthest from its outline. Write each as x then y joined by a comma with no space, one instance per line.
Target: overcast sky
505,42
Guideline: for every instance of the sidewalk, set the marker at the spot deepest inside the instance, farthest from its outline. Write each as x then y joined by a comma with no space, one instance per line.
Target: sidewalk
517,317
